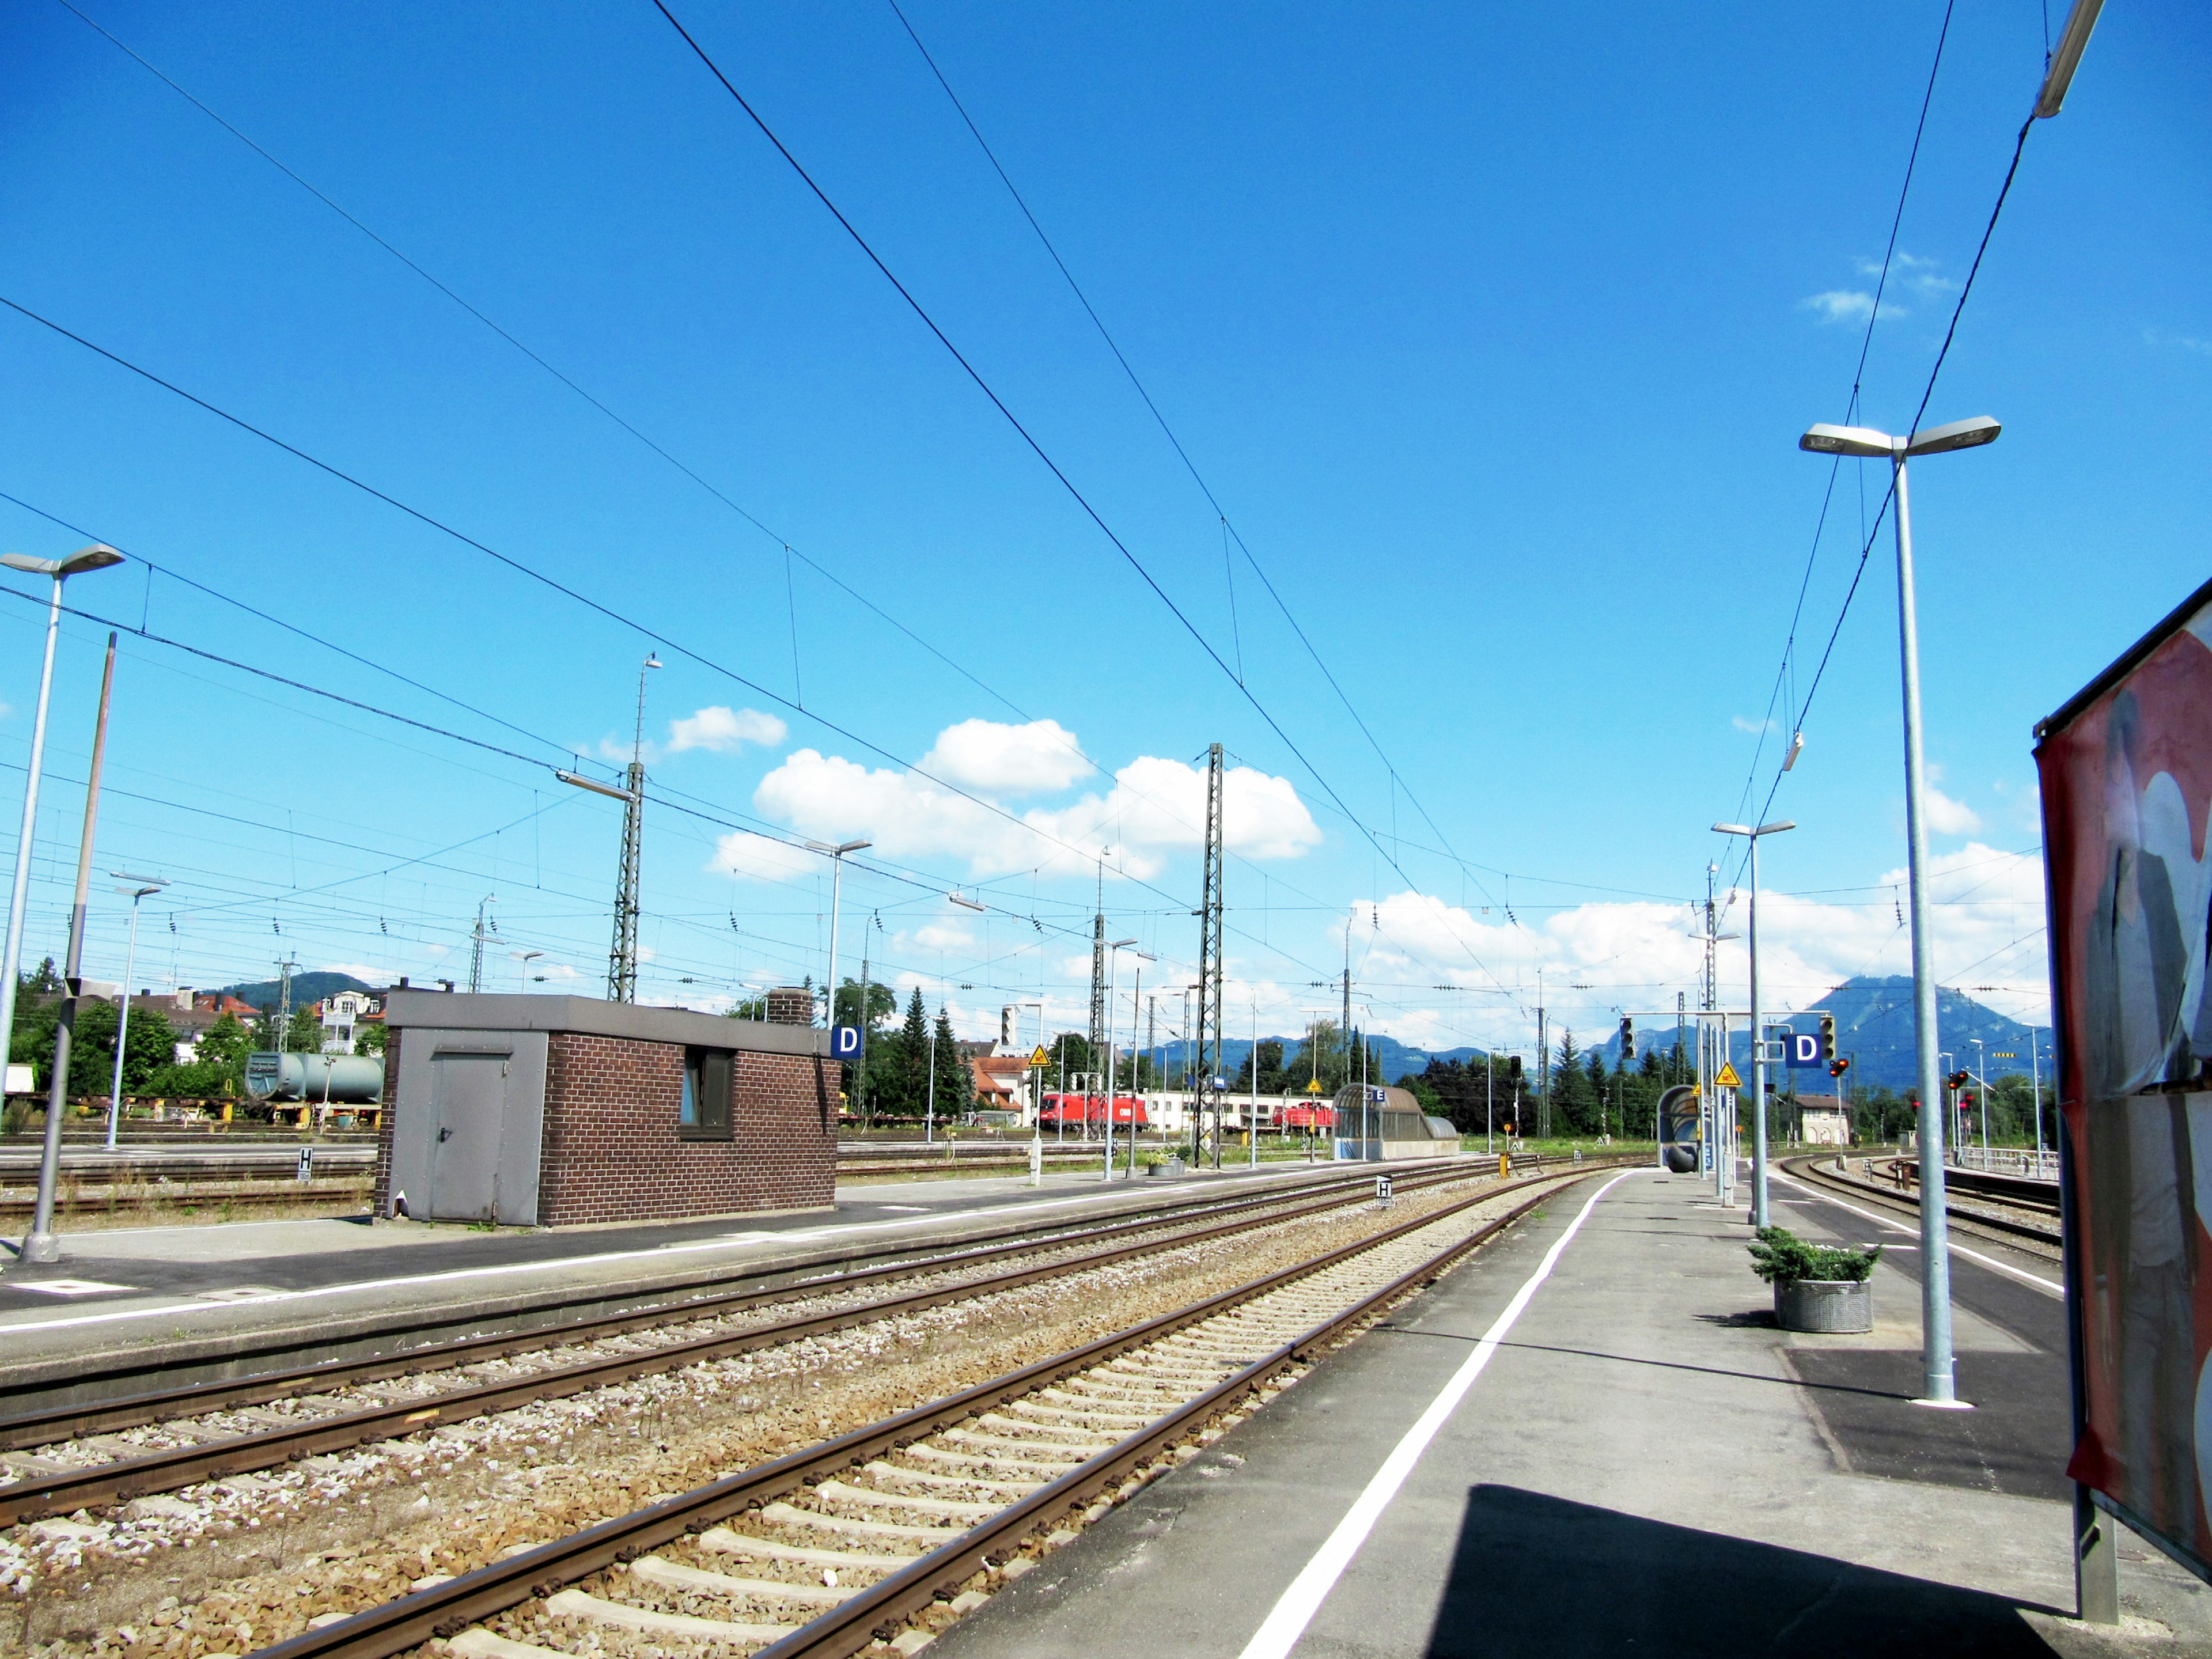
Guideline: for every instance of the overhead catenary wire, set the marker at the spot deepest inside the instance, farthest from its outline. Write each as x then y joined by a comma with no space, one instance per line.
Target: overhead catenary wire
1228,528
1037,448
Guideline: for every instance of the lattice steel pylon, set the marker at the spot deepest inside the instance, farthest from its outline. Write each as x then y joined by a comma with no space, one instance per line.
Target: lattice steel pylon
1097,1031
1209,968
622,956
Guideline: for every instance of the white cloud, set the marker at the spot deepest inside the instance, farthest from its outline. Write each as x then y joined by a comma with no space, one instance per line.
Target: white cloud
2152,336
1910,277
761,858
1156,806
1743,725
1986,909
1007,760
1947,817
941,936
360,970
725,730
1842,306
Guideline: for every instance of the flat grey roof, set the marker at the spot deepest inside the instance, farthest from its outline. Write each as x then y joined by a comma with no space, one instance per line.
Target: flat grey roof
484,1012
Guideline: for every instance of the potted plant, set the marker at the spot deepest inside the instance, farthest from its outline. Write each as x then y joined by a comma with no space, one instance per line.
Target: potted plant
1817,1287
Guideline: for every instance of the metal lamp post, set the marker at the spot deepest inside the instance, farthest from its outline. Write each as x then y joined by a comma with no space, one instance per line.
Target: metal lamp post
40,1244
1114,949
836,855
1935,1233
97,557
142,887
1758,1026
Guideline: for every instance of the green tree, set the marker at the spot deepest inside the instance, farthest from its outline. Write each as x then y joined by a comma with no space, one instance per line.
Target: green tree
1574,1103
1274,1075
1071,1056
369,1037
224,1046
883,1004
955,1093
898,1065
305,1034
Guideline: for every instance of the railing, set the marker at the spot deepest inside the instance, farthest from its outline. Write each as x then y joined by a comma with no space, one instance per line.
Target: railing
2007,1160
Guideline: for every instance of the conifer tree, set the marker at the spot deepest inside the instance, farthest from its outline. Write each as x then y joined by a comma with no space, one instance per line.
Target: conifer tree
955,1096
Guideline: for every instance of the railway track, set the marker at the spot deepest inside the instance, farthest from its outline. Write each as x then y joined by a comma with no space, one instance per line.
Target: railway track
147,1187
1821,1172
888,1532
76,1456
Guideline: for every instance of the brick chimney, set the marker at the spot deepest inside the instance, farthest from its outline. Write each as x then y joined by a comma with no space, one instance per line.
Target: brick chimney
790,1004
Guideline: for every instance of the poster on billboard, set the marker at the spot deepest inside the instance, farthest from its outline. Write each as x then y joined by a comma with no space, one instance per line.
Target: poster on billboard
2125,770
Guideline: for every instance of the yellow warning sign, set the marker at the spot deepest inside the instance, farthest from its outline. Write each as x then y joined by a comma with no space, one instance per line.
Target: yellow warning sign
1038,1057
1728,1079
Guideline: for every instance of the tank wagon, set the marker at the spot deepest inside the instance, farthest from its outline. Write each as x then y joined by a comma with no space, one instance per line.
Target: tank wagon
342,1080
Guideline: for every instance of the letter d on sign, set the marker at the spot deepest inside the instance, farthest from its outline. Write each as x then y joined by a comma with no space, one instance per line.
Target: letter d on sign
845,1042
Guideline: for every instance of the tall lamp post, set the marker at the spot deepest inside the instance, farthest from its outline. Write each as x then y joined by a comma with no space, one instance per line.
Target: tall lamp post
141,887
836,853
97,557
40,1244
1758,1026
1114,949
1935,1226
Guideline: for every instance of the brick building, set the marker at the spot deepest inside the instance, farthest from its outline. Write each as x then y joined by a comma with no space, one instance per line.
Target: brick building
561,1111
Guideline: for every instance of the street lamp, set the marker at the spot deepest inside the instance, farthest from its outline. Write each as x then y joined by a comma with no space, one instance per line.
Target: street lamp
1935,1225
1114,949
1758,1029
97,557
836,853
141,887
526,957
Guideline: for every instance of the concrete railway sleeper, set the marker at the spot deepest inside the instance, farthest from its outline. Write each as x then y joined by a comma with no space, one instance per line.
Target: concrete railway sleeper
836,1549
640,1345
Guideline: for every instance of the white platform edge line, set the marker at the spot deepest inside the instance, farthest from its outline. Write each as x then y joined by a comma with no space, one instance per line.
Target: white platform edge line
1295,1609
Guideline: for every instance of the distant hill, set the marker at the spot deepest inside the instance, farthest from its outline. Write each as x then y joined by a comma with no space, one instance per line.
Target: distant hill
306,989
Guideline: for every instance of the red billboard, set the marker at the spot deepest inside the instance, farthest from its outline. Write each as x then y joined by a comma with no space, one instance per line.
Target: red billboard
2126,774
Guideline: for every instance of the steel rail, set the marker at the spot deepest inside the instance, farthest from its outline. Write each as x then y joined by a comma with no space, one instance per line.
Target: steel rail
36,1496
446,1609
46,1426
2022,1192
1907,1201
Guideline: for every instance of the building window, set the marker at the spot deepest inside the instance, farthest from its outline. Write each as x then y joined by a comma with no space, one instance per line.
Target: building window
705,1112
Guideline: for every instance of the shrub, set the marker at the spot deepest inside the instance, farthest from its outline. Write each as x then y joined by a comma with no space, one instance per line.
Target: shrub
1780,1255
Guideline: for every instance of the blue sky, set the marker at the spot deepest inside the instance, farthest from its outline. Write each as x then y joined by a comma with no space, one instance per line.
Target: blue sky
1493,338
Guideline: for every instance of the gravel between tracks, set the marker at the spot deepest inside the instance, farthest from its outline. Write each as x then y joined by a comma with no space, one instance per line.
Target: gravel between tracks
240,1563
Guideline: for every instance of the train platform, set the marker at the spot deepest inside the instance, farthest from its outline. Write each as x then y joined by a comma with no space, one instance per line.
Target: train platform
206,1296
1592,1438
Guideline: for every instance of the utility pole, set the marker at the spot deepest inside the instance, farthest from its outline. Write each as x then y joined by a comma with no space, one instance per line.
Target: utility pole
1097,1032
1543,1065
860,1076
40,1244
284,1003
621,958
476,943
1209,955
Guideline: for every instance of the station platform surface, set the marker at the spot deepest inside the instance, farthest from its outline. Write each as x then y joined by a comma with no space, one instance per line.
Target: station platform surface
237,1283
1638,1463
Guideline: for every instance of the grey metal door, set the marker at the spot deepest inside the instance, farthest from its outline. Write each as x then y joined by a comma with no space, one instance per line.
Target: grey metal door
468,1095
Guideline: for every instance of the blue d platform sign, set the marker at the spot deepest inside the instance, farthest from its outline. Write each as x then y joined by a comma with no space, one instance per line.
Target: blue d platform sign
844,1043
1802,1049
